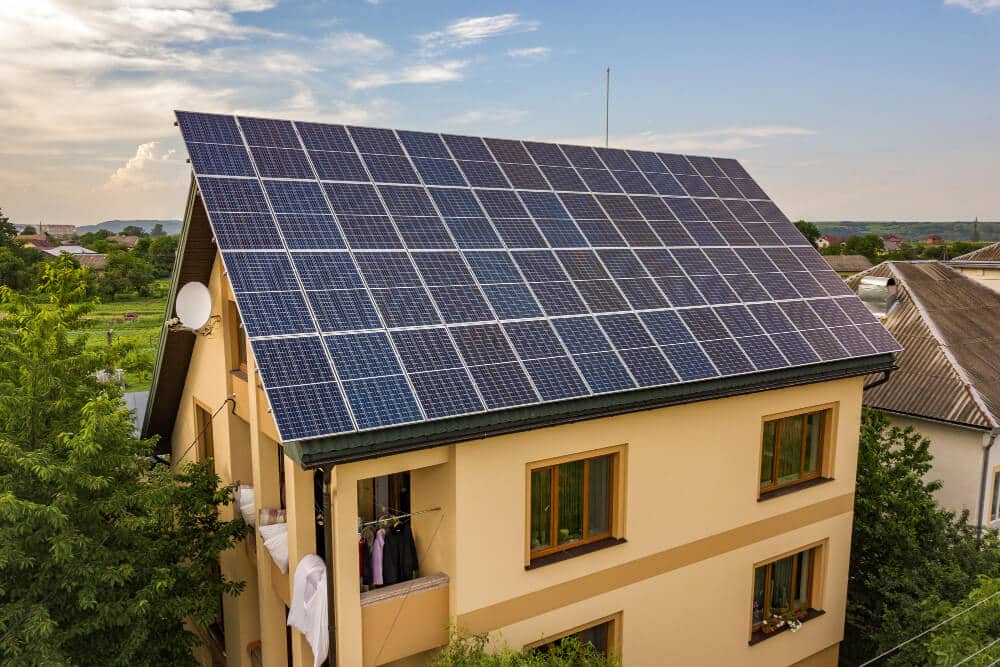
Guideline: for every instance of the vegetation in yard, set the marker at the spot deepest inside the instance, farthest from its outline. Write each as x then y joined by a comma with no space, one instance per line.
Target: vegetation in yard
103,559
466,650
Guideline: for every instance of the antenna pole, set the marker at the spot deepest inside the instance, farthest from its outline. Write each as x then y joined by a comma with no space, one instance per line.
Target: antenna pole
607,102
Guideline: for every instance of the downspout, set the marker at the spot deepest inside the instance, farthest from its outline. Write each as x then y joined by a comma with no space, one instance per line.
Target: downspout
328,539
982,482
882,380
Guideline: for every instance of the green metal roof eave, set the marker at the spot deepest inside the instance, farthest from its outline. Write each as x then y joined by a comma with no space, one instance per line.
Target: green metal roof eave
350,447
161,448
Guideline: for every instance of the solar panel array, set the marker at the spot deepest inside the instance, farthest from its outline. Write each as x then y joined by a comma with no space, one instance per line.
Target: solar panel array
391,277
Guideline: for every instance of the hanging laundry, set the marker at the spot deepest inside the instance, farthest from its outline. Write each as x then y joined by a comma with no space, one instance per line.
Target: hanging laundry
276,540
378,547
399,557
245,501
309,613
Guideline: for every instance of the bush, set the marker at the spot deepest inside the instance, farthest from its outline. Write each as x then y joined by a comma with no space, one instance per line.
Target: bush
468,650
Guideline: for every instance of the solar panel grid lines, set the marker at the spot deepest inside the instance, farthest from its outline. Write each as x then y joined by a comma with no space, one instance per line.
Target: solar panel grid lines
594,248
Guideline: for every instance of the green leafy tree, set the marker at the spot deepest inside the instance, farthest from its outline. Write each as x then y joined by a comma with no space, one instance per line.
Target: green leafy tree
7,230
96,241
162,252
978,628
65,281
141,248
134,230
157,230
810,231
125,273
29,230
103,560
465,650
908,555
871,246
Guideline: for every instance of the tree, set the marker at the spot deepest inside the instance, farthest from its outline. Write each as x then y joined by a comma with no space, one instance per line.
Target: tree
157,230
125,273
103,560
162,252
908,555
970,632
65,280
464,650
871,246
810,231
7,229
29,230
134,230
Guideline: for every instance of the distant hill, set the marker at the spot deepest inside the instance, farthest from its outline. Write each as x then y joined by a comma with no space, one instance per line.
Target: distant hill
911,231
169,226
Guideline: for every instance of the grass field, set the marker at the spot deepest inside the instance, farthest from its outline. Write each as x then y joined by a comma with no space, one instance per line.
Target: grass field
144,332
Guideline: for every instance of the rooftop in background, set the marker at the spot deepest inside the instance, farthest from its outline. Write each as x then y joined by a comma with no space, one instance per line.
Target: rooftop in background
68,250
990,253
95,261
848,263
389,279
125,241
949,326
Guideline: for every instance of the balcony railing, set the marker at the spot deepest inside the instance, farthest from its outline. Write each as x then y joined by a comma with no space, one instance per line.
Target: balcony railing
404,619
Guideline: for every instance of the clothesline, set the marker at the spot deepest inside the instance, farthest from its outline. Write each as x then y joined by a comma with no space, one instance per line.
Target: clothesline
400,516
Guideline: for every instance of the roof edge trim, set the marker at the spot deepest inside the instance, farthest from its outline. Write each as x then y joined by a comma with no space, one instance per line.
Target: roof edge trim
348,448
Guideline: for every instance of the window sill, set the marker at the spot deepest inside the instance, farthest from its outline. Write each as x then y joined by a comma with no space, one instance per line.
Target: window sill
758,636
240,374
573,552
784,491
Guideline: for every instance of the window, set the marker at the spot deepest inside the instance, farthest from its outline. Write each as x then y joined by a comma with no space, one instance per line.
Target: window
792,449
571,503
203,426
601,635
239,339
783,585
995,502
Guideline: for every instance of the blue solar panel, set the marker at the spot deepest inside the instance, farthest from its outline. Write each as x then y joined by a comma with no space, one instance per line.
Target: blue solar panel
450,275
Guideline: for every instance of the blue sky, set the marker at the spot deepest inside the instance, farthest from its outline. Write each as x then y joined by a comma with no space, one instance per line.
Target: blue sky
842,110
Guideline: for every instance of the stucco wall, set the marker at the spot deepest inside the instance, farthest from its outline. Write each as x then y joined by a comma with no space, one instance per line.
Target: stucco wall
958,461
988,277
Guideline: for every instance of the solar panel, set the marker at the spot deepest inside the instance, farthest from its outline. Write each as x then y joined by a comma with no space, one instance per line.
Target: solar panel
392,277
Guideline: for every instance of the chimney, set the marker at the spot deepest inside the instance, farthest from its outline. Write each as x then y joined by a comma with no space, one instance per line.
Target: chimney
879,294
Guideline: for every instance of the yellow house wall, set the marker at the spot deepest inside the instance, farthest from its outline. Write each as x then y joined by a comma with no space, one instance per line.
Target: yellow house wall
988,277
692,521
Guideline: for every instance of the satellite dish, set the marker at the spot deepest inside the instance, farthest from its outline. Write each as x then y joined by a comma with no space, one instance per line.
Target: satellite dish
193,305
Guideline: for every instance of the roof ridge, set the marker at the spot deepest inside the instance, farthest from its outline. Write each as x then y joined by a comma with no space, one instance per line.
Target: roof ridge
971,255
942,345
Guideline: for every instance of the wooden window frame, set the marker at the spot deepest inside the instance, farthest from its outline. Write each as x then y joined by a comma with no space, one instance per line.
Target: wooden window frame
615,510
237,337
614,622
207,425
814,601
830,412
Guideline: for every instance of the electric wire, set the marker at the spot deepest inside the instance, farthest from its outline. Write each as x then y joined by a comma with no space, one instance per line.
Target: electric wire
970,657
204,428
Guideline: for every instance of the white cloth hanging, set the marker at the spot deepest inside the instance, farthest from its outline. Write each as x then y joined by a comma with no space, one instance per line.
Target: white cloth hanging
245,501
276,541
308,613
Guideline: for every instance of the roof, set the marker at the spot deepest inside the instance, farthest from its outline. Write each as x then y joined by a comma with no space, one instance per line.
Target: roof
95,261
395,288
848,263
949,326
126,240
68,250
990,253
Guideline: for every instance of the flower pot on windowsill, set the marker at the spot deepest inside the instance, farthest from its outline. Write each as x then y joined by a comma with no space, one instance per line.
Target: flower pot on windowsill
791,618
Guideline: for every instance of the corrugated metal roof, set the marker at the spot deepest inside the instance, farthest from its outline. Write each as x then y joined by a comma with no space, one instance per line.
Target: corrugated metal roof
949,326
845,263
990,253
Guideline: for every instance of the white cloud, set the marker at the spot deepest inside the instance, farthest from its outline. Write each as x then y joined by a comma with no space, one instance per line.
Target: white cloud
494,116
533,52
975,6
472,30
450,70
356,45
720,140
139,172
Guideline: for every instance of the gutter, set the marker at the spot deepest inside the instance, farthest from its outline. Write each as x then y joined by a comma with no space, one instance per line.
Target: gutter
886,374
328,540
982,481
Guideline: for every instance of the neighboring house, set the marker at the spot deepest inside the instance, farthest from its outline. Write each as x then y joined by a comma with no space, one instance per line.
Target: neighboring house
934,239
847,265
948,382
36,241
891,243
823,242
982,265
58,231
585,447
94,261
68,250
124,241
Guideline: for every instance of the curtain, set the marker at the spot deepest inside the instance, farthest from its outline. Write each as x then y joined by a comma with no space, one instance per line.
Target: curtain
599,496
570,502
790,457
541,496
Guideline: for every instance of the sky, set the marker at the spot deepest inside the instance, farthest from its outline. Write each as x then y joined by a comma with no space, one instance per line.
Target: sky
868,110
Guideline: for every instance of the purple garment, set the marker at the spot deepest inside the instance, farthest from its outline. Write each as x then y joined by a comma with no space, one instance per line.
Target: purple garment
377,546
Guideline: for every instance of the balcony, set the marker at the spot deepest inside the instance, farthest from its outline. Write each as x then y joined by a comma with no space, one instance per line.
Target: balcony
404,619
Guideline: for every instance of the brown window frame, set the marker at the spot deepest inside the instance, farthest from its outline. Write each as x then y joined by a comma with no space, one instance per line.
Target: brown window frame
812,598
238,338
203,430
614,629
828,414
995,496
616,455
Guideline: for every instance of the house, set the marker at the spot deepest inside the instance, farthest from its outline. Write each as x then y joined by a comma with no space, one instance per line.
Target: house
92,260
891,243
934,239
68,250
36,241
948,383
57,231
982,265
823,242
847,265
124,240
556,393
